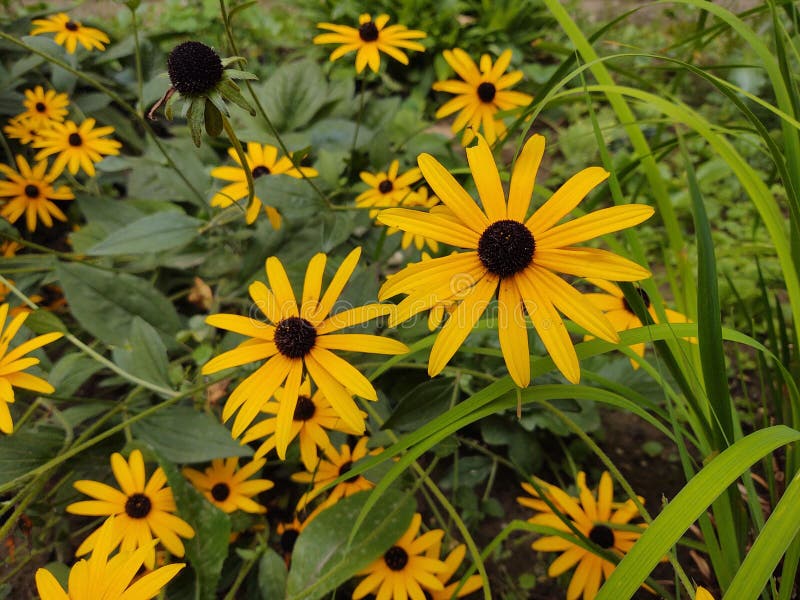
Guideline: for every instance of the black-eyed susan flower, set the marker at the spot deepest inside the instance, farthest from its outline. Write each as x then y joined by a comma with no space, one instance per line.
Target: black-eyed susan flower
300,336
228,487
289,531
43,108
104,578
69,32
22,129
261,161
334,465
29,191
313,417
622,316
13,363
480,94
595,517
143,509
511,255
369,39
76,146
420,199
404,571
388,188
452,562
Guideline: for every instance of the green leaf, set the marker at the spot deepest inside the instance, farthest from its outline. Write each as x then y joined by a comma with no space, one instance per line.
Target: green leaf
43,321
293,198
295,93
71,371
196,120
322,560
423,403
145,355
272,575
26,449
184,435
153,233
213,119
208,548
105,303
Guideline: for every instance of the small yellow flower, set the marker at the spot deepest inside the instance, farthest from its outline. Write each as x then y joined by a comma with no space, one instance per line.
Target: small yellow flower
77,146
417,199
42,108
480,95
452,562
22,129
387,189
228,487
14,362
30,192
69,33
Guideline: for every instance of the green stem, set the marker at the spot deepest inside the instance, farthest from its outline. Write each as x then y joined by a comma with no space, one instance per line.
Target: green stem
138,58
362,94
237,145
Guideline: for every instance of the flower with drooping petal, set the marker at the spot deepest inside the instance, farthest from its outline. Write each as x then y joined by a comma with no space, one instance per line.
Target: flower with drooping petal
69,32
30,192
228,487
512,255
76,146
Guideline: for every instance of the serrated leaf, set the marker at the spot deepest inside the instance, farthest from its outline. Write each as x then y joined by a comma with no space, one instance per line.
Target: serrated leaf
272,575
153,233
26,449
184,435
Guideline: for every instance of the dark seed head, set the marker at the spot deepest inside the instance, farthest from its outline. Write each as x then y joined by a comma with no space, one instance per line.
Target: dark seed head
40,107
75,140
486,92
506,247
385,186
645,299
396,558
304,409
295,337
288,538
72,25
194,68
31,191
345,468
220,492
138,506
260,171
602,536
368,32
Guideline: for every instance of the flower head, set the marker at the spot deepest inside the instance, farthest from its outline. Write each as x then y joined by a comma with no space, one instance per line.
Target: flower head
228,487
101,578
313,417
387,189
69,33
22,129
512,255
404,570
13,363
42,108
480,94
261,161
30,192
194,68
77,146
143,509
369,39
300,336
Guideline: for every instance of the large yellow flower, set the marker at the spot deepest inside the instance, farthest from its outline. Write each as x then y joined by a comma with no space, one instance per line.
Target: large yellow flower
370,39
300,336
77,146
101,578
69,33
30,192
404,571
261,160
143,509
512,255
313,415
388,188
228,487
481,95
42,108
14,362
595,517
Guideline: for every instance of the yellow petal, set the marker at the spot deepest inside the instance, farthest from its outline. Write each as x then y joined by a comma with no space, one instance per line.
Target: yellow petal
567,197
487,180
452,194
595,224
524,177
279,282
513,332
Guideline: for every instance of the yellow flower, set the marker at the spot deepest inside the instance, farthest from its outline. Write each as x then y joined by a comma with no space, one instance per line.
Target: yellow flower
69,32
261,160
621,315
143,509
481,95
290,530
370,39
312,416
101,578
30,192
14,362
42,108
452,562
703,594
22,129
337,464
386,189
228,487
515,257
76,146
417,199
404,571
300,336
593,517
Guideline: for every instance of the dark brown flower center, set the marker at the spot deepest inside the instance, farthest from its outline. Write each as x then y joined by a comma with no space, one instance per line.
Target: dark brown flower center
396,558
31,191
194,68
295,337
288,538
645,299
220,492
304,409
385,186
260,171
368,32
72,25
75,140
138,506
486,92
40,107
345,468
506,247
602,536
